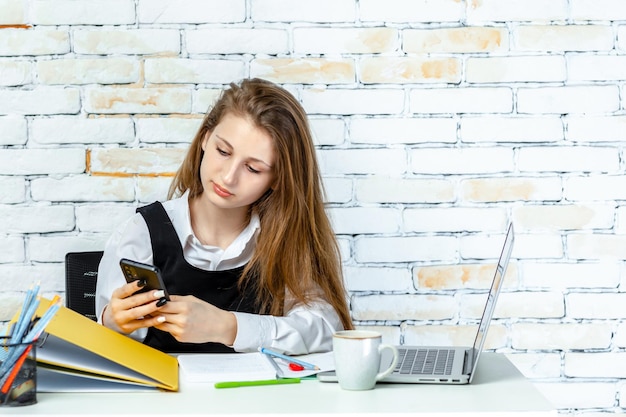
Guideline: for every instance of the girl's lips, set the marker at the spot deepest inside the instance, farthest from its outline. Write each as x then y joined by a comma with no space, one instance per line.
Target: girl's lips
221,191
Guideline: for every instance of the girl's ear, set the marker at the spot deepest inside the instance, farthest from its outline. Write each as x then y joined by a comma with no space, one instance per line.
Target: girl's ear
205,140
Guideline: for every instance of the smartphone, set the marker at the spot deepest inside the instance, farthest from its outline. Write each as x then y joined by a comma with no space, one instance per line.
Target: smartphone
134,270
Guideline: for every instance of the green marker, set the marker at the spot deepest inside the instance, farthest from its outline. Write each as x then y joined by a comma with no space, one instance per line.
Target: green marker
235,384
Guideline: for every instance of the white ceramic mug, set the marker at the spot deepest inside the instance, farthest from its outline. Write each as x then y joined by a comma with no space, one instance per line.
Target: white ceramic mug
357,356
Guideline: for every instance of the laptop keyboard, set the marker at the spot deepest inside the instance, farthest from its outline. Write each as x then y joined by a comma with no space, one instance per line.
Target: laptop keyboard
424,361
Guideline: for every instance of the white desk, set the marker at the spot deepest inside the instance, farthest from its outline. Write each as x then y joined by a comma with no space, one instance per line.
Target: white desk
498,390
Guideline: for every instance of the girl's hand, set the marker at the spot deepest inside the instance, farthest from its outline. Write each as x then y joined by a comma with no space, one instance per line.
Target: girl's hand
192,320
127,312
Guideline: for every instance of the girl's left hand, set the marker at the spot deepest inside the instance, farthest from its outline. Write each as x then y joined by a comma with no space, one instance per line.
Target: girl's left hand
192,320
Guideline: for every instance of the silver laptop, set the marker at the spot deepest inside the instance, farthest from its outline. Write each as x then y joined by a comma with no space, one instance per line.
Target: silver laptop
445,364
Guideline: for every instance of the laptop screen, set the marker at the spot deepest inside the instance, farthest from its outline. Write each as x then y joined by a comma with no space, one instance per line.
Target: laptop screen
496,285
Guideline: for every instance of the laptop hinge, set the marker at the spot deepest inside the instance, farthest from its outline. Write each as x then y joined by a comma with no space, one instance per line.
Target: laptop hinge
468,363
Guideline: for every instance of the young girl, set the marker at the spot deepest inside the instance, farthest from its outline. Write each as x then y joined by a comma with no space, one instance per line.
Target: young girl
244,245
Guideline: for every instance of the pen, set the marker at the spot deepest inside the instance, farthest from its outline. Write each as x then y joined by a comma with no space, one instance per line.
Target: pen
235,384
304,364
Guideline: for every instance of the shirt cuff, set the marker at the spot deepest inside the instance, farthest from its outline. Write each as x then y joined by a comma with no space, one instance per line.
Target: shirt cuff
252,331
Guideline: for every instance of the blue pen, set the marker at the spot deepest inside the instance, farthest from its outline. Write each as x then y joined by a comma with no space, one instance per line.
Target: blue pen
306,365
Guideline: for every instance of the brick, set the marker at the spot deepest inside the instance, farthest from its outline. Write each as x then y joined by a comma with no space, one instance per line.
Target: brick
327,131
304,70
88,71
204,99
102,218
358,220
521,304
395,130
390,334
587,128
152,161
36,219
192,71
621,37
596,275
191,11
91,12
54,248
455,40
403,307
167,129
568,99
461,100
452,219
539,246
350,40
620,335
563,38
136,100
408,11
405,249
460,277
12,12
16,42
596,306
14,130
130,42
41,161
13,190
503,128
483,190
404,190
338,190
377,279
596,68
362,161
568,159
461,160
595,365
83,188
322,11
595,187
517,11
458,335
564,336
79,130
14,73
376,70
564,217
598,10
150,189
41,100
511,69
12,248
348,102
51,277
240,41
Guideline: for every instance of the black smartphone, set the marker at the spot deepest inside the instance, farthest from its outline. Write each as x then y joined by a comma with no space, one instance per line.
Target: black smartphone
134,270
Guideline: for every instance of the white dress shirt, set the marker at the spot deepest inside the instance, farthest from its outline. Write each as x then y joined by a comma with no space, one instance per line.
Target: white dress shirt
303,329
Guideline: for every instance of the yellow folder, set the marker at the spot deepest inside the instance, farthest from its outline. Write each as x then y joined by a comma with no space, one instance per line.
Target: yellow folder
76,345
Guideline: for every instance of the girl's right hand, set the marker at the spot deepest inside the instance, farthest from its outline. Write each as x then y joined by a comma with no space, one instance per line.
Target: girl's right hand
127,311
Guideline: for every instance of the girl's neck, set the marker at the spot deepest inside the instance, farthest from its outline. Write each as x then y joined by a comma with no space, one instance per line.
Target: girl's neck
215,226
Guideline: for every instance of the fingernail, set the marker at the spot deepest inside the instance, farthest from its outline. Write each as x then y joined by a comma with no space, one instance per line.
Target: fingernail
161,302
141,283
158,294
161,319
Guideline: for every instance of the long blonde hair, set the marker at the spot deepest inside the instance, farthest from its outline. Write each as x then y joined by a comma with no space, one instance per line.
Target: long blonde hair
296,247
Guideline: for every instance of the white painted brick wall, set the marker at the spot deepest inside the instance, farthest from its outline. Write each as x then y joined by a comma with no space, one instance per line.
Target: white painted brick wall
435,122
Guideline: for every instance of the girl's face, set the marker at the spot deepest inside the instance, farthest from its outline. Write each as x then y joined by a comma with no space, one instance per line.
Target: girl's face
237,166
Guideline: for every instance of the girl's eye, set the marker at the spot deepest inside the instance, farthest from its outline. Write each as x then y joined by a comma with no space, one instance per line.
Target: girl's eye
222,152
254,171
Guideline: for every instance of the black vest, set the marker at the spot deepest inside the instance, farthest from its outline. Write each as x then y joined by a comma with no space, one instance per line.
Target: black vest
216,287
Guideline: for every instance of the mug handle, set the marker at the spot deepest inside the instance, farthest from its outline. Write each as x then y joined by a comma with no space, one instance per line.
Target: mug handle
389,370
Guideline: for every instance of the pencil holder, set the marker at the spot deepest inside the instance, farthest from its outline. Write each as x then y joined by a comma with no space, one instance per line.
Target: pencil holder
18,374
